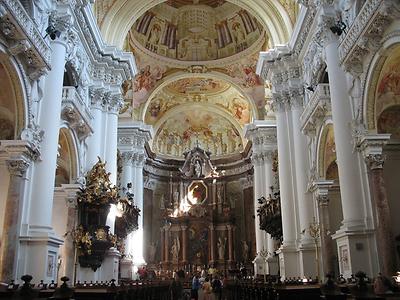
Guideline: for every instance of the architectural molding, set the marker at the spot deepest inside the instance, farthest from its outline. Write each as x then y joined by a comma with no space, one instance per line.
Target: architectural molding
24,38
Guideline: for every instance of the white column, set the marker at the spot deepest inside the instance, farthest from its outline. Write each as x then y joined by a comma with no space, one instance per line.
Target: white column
94,141
40,218
263,137
258,193
352,239
304,197
111,134
270,243
288,260
132,139
285,183
138,258
126,168
45,170
349,174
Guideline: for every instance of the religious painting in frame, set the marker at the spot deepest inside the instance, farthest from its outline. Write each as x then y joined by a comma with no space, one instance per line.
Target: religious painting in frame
51,264
197,192
344,258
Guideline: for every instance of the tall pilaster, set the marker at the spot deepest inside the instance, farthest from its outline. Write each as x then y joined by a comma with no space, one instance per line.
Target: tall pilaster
263,136
288,261
114,105
132,139
306,245
18,156
321,190
94,141
41,241
372,147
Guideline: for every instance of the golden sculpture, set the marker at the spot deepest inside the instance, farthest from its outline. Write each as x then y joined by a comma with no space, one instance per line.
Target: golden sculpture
98,190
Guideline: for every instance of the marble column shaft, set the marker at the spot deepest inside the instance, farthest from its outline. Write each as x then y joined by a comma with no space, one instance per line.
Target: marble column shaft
184,243
385,238
304,200
166,240
45,170
258,192
9,239
162,244
94,141
326,240
212,242
230,243
349,174
285,175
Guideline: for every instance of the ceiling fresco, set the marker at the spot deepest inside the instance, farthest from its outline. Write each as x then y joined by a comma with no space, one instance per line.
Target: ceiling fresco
195,32
217,45
228,100
180,3
189,128
197,85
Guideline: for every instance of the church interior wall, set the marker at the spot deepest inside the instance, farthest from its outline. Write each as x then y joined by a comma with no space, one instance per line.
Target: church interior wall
295,73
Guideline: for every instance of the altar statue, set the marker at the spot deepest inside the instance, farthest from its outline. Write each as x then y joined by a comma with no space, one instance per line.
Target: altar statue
175,248
221,248
245,251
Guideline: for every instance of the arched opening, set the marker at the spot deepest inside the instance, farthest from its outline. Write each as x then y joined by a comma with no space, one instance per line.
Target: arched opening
383,116
66,159
12,122
11,106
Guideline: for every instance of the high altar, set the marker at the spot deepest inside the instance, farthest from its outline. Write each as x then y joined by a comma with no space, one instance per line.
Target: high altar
199,222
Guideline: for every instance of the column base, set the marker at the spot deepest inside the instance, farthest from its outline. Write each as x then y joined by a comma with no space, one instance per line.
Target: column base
273,266
288,262
126,266
259,266
308,262
38,255
110,266
87,274
354,253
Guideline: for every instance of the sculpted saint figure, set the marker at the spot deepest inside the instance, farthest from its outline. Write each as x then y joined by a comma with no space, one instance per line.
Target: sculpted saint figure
245,250
221,248
175,248
152,251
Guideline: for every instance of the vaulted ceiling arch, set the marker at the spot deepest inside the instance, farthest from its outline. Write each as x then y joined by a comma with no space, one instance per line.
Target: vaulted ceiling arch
120,17
212,75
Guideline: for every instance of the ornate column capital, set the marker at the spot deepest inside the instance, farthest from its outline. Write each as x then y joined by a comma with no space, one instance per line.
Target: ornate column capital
149,183
97,97
296,97
322,199
115,104
326,19
17,167
371,146
134,136
18,150
127,158
62,26
280,102
375,161
320,188
256,159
